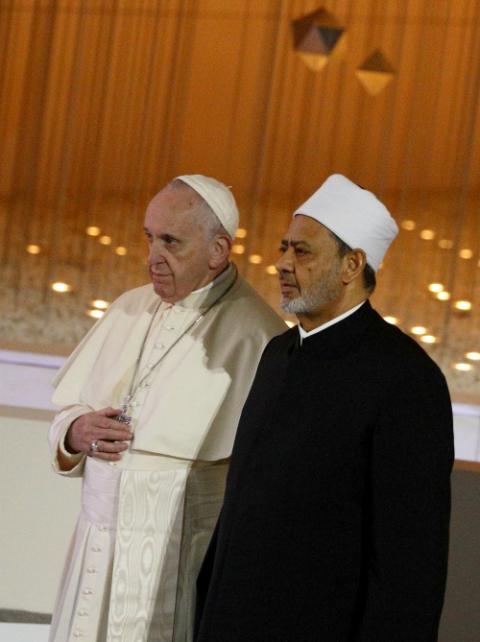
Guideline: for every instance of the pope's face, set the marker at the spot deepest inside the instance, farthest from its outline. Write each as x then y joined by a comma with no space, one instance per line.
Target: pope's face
179,251
309,268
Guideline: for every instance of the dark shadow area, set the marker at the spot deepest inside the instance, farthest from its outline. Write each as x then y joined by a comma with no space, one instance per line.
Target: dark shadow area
461,614
24,617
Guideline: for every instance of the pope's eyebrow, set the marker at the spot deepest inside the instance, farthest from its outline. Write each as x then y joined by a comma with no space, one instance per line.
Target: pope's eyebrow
164,237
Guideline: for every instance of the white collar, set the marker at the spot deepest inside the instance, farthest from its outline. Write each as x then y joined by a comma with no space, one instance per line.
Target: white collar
218,279
304,334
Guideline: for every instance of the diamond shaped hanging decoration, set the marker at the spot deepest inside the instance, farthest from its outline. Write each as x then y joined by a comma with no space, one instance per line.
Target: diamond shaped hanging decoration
375,73
316,37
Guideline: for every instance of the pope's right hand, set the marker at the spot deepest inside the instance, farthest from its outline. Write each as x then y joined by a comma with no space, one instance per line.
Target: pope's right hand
98,428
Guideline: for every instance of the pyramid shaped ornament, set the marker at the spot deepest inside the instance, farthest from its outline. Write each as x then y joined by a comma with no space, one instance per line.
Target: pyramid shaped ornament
316,37
375,73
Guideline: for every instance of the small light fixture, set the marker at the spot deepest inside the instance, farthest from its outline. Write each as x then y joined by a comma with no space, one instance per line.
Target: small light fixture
60,286
100,304
408,225
463,367
427,235
463,306
445,244
256,259
473,356
391,320
93,230
33,249
271,269
241,233
465,253
435,287
121,250
418,330
443,296
238,249
428,338
105,240
96,314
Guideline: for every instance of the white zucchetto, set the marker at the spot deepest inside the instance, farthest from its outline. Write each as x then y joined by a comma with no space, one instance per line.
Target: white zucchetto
217,196
354,214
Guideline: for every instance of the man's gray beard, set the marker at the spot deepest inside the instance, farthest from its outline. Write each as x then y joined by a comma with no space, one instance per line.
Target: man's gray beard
317,295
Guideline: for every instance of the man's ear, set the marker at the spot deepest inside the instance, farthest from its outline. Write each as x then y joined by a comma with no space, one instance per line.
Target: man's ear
354,263
220,247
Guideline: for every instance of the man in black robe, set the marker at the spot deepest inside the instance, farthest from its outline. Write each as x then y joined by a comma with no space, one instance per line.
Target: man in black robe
336,514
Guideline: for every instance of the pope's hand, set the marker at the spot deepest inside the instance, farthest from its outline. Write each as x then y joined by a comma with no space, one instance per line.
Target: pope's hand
98,434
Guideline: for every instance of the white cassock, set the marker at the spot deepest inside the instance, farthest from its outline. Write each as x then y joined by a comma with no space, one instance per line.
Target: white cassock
145,521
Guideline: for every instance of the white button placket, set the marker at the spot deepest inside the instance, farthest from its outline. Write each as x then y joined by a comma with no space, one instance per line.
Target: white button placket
166,336
91,585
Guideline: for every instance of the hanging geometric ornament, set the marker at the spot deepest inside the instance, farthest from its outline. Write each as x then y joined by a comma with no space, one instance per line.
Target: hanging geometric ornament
375,73
316,37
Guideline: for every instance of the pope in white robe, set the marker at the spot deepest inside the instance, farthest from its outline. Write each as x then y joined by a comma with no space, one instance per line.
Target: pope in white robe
186,359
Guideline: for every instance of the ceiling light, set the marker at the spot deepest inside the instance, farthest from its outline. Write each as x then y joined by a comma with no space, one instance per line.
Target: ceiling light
96,314
427,235
465,253
60,286
463,367
418,329
464,306
443,296
105,240
392,320
428,338
238,249
33,249
408,225
93,230
241,233
445,244
121,250
100,304
435,287
473,356
271,269
255,259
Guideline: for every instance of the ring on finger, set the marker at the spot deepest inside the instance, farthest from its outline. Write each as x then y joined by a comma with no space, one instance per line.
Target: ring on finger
94,446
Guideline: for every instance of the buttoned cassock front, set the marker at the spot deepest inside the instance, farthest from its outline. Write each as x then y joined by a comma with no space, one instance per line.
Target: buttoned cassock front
145,521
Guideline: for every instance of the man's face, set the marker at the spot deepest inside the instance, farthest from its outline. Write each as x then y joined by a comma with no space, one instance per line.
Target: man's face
309,268
179,251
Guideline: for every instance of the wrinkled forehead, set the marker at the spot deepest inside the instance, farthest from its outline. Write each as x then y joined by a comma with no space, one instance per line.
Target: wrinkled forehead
174,200
305,228
174,207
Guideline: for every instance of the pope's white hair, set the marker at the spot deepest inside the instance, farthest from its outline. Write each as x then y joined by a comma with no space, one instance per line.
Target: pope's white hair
205,217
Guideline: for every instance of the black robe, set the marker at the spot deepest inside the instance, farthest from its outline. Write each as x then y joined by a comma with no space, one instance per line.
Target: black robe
336,513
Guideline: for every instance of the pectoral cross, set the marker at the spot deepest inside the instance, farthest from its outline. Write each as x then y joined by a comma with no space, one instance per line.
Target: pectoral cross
123,418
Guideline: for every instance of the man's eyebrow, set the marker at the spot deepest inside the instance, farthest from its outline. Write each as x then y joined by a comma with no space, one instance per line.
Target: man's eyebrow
286,243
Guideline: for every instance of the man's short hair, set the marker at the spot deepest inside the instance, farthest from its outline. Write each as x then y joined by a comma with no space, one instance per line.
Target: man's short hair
369,278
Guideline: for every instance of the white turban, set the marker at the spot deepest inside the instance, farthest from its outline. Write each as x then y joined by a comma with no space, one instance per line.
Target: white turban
354,214
218,197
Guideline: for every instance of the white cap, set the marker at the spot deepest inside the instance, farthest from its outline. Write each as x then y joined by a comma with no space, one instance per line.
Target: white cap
218,197
354,214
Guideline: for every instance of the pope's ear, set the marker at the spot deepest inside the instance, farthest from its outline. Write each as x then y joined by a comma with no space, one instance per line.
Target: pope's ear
354,263
220,247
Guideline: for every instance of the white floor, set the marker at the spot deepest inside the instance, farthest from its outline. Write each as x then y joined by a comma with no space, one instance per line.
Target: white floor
23,632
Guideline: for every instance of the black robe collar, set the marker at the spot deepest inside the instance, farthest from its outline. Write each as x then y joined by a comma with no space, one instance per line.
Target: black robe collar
339,338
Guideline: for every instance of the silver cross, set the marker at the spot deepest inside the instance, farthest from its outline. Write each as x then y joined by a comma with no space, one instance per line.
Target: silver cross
123,418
